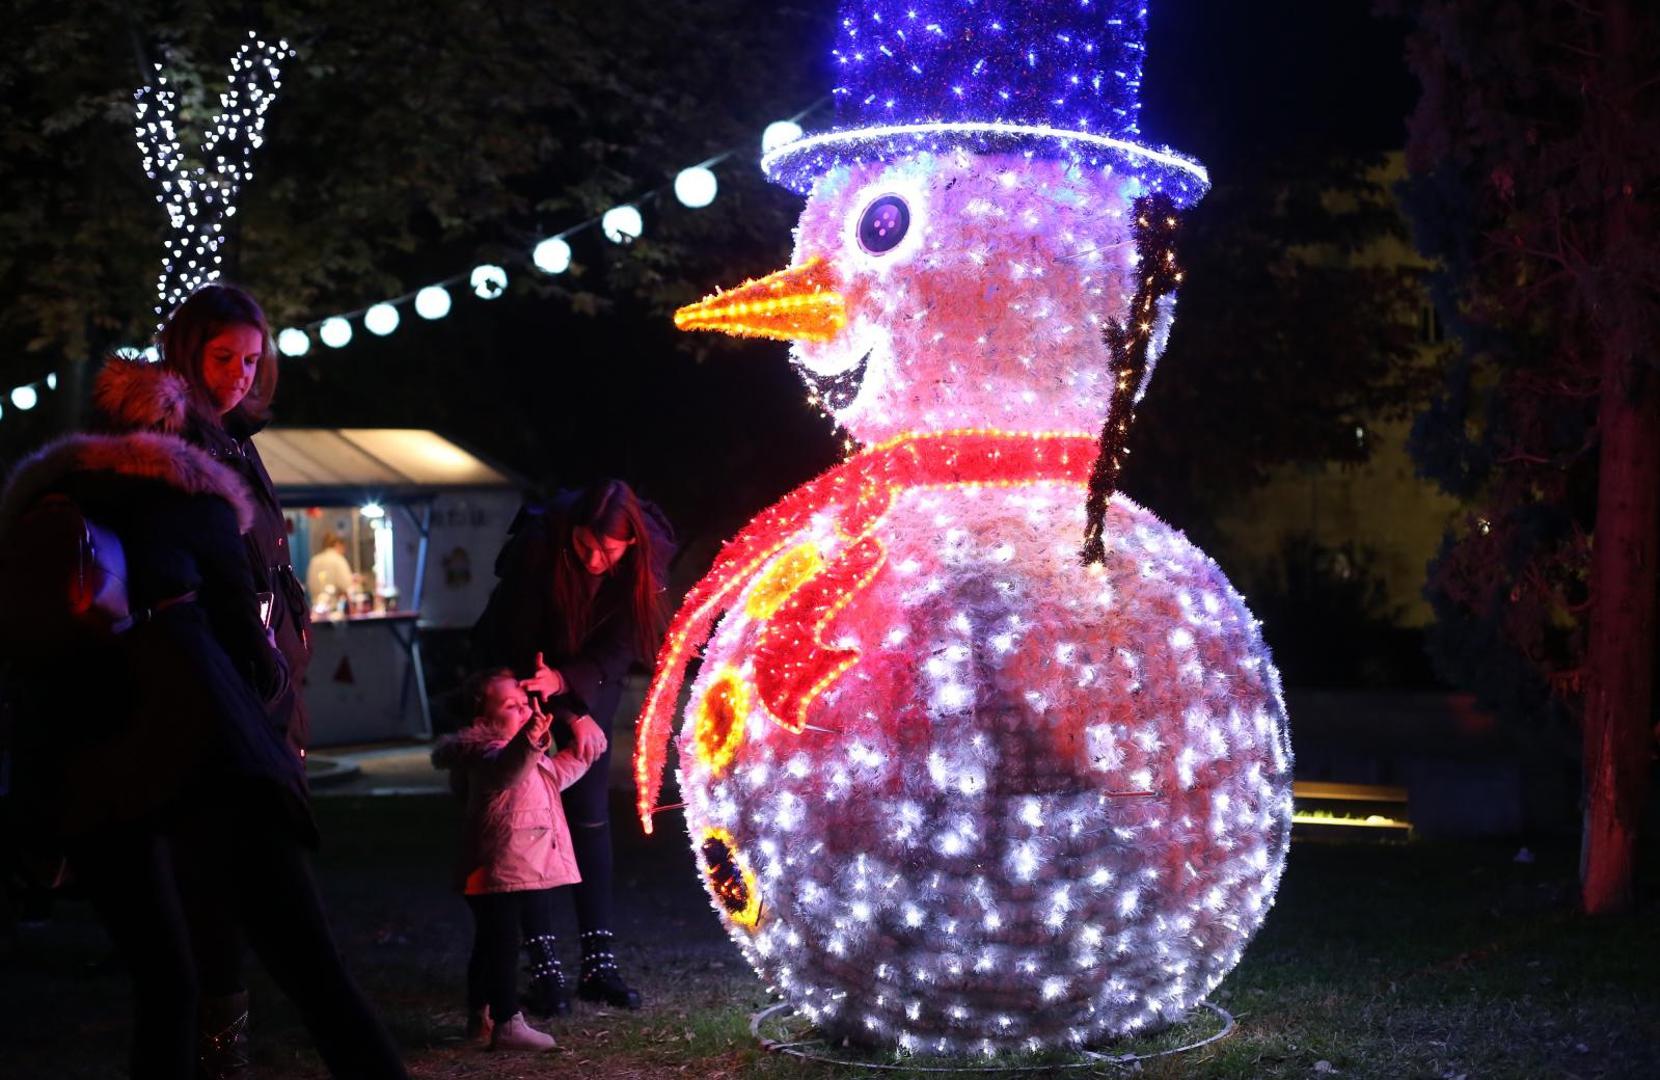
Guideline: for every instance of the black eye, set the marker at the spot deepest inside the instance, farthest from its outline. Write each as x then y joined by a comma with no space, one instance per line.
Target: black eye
884,224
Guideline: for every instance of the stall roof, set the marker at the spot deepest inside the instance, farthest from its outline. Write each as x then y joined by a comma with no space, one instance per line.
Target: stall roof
380,463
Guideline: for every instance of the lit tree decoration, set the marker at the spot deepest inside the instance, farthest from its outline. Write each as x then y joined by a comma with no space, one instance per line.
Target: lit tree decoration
199,199
953,784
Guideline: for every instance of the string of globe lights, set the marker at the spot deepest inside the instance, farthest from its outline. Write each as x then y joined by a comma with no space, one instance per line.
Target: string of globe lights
694,187
192,257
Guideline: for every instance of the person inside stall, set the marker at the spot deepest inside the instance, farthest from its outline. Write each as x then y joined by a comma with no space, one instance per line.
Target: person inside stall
330,575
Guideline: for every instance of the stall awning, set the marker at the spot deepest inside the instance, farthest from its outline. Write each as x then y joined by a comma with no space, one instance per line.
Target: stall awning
384,464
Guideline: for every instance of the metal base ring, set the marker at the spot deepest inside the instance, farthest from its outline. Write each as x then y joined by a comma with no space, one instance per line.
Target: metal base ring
1087,1059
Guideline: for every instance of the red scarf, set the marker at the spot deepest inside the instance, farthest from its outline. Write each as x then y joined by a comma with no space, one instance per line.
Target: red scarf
794,665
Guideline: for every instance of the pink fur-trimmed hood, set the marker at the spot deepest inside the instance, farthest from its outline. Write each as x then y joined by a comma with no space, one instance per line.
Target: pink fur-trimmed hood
140,396
141,455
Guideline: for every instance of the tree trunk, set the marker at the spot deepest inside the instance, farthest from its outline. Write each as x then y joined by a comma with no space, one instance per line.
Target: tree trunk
1619,698
1625,584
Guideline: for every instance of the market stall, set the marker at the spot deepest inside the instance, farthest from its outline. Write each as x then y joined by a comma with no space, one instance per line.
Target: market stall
394,531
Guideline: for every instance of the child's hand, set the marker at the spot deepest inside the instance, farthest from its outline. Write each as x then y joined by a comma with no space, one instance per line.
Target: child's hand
538,723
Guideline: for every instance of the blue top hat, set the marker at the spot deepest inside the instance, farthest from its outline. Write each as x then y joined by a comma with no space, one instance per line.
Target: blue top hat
1047,78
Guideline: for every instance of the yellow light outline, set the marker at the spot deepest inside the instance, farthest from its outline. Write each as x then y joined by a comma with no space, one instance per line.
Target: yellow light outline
718,758
751,913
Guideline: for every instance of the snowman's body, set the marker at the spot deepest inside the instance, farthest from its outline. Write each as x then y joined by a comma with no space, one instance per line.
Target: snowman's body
1046,804
950,788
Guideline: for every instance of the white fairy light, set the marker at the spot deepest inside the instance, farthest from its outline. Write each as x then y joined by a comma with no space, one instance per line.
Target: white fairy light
293,341
335,332
381,319
488,281
200,199
25,398
432,302
552,256
777,134
622,224
696,187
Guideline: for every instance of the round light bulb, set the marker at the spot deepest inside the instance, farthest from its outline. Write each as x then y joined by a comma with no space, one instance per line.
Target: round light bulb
151,355
293,342
488,281
552,256
778,133
25,398
52,381
432,302
696,187
381,319
335,332
622,224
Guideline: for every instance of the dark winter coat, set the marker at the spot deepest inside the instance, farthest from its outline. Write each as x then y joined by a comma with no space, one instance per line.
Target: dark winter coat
172,715
520,620
135,396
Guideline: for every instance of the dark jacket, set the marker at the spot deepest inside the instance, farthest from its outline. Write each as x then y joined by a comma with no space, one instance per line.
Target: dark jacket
520,620
172,715
133,395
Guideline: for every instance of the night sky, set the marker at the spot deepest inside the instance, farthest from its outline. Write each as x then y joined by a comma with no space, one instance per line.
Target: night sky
1223,77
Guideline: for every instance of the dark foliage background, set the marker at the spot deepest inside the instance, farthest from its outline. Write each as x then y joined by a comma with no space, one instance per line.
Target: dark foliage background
412,141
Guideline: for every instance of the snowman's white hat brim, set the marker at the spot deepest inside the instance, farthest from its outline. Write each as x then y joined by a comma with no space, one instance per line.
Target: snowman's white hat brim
799,163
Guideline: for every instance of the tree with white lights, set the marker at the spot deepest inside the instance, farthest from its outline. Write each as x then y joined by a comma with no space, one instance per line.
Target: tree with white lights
199,191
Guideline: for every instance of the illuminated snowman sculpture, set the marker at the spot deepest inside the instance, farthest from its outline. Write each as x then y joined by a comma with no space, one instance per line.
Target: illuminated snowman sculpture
981,756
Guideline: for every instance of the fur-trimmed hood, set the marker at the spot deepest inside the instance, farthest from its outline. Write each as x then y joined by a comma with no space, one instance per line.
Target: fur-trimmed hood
141,455
134,395
464,747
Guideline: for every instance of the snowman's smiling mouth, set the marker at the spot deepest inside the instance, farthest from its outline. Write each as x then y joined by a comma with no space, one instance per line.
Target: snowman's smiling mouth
837,391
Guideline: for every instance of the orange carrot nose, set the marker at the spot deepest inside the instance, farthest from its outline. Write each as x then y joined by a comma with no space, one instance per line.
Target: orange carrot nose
797,304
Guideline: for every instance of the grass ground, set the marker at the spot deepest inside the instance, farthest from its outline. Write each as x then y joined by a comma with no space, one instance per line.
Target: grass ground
1420,961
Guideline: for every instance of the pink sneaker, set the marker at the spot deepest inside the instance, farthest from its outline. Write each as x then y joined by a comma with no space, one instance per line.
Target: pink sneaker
515,1034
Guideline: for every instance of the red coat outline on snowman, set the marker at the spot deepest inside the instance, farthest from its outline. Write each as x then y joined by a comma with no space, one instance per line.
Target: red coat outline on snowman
795,666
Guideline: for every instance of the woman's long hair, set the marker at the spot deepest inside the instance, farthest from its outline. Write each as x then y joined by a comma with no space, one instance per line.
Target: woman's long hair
205,313
609,509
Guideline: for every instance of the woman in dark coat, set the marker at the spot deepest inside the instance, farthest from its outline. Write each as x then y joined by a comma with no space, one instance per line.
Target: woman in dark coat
213,388
153,758
579,602
219,343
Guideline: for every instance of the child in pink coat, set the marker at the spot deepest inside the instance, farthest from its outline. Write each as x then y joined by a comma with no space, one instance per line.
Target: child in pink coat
515,846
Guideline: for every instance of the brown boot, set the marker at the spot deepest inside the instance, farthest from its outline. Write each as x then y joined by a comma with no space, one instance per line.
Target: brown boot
222,1039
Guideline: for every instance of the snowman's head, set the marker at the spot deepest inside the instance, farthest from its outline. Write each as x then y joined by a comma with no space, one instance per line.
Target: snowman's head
949,291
